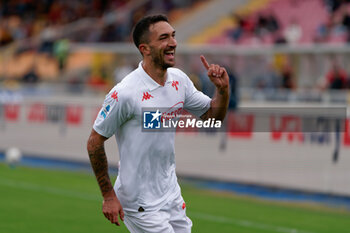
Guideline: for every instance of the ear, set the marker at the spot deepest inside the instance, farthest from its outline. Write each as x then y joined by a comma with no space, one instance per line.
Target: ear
144,49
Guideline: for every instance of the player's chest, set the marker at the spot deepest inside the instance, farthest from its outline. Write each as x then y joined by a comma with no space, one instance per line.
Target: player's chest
166,96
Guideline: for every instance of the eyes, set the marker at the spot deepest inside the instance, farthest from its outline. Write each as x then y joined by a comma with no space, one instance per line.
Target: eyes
166,36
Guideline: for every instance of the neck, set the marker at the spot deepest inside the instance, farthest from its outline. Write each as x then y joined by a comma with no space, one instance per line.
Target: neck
155,72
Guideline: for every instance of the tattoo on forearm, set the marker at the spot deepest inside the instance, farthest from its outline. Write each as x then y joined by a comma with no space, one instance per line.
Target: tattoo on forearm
99,164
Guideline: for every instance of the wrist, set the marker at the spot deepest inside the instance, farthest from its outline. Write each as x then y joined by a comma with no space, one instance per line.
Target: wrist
109,195
222,90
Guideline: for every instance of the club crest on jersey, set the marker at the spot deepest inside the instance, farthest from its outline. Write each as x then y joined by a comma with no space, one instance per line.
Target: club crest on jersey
115,95
174,84
151,119
146,96
104,111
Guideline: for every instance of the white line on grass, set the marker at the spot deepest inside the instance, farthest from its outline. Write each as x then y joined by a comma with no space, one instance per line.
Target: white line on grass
245,223
50,190
91,197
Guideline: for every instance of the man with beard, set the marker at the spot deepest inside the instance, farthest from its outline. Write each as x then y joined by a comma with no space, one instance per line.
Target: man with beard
146,194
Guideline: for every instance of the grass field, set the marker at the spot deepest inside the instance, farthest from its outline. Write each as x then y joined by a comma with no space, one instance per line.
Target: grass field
42,201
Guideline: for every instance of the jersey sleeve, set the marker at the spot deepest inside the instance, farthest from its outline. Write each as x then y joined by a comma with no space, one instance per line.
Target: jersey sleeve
116,110
196,102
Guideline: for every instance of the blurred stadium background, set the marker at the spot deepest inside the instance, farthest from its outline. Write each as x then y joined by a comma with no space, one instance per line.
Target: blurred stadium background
59,58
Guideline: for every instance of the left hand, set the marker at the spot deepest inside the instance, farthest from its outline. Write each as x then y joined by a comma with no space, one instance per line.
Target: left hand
217,74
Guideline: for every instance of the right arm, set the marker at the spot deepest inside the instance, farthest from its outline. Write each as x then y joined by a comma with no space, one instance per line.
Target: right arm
219,104
98,159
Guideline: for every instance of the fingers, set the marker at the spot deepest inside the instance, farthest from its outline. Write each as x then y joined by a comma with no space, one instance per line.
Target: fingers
217,74
121,214
115,220
215,71
106,215
205,63
221,71
111,208
112,216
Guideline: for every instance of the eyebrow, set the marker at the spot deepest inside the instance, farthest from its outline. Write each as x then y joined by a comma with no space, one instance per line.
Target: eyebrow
166,34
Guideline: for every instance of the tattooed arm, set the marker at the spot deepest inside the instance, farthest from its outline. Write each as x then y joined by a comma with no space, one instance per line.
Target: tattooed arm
111,206
218,106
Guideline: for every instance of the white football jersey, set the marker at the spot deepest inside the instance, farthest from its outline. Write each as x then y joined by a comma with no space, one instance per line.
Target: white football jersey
146,179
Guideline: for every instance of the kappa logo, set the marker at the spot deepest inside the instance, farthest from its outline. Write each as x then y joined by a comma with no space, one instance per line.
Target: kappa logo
115,95
146,96
174,84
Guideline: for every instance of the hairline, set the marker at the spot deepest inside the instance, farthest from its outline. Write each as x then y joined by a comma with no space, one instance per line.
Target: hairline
145,37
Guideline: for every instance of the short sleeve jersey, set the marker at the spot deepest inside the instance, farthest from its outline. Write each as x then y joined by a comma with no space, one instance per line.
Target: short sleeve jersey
146,176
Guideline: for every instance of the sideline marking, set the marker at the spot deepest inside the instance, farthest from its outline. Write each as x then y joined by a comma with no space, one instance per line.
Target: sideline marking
245,223
50,190
202,216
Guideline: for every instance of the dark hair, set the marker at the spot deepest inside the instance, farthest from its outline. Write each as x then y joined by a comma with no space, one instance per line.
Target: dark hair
141,29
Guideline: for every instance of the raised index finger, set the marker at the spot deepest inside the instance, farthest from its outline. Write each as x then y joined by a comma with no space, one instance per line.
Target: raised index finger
204,61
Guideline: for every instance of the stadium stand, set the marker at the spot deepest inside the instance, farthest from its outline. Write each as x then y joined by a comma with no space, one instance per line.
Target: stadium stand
308,21
83,50
25,19
35,36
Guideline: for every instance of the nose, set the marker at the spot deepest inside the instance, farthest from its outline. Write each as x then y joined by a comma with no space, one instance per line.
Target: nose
172,42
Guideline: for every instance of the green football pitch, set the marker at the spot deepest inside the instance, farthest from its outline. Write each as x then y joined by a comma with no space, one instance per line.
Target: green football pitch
47,201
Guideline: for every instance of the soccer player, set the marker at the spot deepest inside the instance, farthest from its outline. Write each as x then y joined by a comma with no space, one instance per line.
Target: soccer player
146,194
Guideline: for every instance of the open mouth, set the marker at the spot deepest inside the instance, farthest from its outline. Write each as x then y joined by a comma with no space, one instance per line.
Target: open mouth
170,54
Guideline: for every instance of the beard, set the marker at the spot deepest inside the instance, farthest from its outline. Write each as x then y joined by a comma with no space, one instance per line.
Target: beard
158,59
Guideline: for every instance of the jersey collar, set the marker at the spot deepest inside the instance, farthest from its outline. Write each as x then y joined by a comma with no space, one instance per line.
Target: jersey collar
149,82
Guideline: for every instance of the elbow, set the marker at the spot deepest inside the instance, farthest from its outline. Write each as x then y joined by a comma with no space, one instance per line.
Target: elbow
215,113
89,144
94,141
221,116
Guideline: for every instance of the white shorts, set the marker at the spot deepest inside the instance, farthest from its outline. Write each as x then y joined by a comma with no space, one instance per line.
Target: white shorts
169,219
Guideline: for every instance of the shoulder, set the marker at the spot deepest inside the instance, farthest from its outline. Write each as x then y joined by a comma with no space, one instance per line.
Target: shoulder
130,84
123,92
131,78
175,72
179,75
